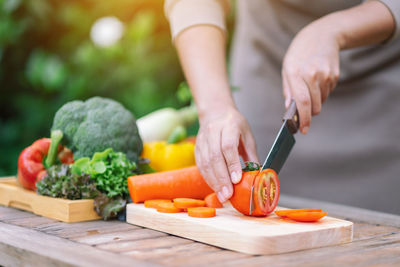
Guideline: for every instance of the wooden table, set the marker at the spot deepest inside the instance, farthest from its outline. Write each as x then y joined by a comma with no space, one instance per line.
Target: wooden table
27,239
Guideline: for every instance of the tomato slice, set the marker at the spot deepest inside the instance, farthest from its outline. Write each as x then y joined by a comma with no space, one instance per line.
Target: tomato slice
284,213
266,192
310,216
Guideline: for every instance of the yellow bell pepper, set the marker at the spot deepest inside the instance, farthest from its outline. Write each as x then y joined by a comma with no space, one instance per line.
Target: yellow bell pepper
165,157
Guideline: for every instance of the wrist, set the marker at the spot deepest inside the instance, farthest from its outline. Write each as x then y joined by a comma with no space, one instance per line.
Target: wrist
211,99
365,24
215,111
329,28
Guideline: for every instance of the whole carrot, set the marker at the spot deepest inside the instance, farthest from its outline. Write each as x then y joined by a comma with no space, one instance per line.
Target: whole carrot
181,183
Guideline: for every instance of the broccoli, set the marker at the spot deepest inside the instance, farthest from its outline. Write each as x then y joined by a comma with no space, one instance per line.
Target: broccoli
97,124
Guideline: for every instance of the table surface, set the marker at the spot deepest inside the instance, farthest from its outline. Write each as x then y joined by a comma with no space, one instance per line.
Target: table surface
27,239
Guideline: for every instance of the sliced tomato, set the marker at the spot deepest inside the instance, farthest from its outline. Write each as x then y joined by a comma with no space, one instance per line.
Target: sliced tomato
284,213
266,192
311,216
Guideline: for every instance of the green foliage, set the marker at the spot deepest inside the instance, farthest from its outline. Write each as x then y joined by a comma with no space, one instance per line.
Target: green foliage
109,170
177,135
47,59
251,166
97,124
183,93
59,182
108,208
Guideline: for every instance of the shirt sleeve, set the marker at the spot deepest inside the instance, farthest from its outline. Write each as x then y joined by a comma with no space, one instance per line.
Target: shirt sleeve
183,14
394,7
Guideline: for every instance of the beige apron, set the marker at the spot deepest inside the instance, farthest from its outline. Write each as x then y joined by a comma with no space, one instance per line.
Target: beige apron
351,154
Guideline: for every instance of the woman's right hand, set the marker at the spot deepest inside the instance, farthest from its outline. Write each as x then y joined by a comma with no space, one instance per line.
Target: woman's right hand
224,134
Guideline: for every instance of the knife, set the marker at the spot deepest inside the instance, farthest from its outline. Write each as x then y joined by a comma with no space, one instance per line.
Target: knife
282,145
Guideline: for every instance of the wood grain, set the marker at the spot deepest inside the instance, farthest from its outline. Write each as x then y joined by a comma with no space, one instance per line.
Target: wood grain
375,243
160,253
231,230
118,237
346,254
82,229
159,240
346,212
26,247
64,210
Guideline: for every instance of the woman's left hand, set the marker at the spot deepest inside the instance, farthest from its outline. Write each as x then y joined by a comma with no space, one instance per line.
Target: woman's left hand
310,70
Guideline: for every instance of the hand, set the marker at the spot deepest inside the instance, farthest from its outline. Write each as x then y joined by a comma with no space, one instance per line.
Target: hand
310,70
223,135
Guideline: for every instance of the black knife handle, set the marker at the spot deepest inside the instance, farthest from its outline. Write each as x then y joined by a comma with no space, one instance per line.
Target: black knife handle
292,117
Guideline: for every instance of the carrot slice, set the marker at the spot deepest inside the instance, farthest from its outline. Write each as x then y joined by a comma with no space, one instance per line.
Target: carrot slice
153,203
212,201
311,216
202,212
185,182
184,203
284,213
168,208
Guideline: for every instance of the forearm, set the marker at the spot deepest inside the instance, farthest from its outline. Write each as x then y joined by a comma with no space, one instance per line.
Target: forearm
365,24
202,54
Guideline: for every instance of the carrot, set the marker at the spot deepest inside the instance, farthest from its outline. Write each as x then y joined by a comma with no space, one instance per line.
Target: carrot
284,213
153,203
212,201
311,216
186,182
184,203
202,212
168,208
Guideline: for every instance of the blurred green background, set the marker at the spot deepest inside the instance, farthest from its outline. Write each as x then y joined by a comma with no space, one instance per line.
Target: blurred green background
47,57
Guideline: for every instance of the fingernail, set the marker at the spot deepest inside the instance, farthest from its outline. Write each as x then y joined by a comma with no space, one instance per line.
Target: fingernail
225,192
235,177
305,129
287,102
221,197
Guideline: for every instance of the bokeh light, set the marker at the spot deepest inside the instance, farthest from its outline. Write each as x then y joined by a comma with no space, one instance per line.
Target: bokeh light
106,31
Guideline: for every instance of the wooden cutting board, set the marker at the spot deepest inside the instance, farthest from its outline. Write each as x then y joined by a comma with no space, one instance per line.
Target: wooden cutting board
234,231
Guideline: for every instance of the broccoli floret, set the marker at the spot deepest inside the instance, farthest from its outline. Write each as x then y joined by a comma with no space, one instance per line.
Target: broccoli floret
97,124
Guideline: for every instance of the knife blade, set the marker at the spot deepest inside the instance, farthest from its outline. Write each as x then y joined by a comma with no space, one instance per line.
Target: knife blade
281,147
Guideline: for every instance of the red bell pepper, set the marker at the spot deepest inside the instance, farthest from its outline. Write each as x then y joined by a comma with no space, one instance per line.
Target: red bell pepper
34,159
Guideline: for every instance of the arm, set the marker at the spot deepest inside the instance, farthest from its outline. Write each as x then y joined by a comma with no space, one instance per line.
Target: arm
311,65
223,130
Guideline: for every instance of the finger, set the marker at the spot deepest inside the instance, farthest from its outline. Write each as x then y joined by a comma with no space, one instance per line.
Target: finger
286,90
325,91
249,146
218,165
335,75
303,101
329,84
334,79
201,157
230,144
315,94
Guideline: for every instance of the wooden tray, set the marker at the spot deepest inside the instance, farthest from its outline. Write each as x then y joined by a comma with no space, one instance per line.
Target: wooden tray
232,230
12,195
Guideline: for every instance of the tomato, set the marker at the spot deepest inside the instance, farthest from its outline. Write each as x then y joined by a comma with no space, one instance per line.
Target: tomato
311,216
265,194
